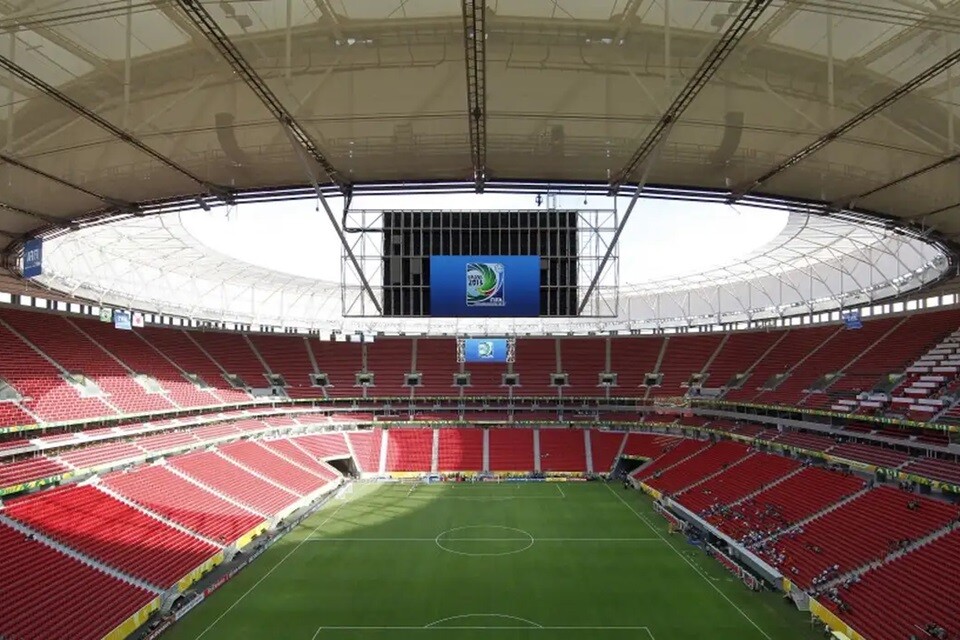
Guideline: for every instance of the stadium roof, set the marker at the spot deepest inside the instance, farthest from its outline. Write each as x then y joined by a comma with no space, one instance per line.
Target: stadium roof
125,108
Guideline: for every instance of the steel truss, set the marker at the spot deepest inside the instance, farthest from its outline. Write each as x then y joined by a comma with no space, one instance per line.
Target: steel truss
903,90
475,57
219,39
735,32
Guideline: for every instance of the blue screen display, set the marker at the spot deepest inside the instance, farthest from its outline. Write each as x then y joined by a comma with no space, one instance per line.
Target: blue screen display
483,286
32,258
485,350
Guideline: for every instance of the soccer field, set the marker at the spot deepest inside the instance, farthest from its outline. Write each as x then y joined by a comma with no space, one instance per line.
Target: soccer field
489,562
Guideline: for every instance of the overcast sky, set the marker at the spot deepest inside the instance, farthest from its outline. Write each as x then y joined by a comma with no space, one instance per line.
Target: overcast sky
663,238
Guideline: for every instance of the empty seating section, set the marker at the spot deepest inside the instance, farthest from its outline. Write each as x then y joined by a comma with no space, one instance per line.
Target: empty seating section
487,379
936,469
583,361
390,360
898,600
753,474
286,448
460,450
288,356
409,449
787,352
604,448
511,449
102,454
221,475
267,464
232,352
711,460
808,354
867,528
436,363
324,445
98,525
366,447
651,445
798,497
131,349
870,454
737,355
631,359
168,441
44,391
181,349
674,455
812,441
163,492
536,360
341,361
57,596
684,356
59,339
13,473
562,450
13,415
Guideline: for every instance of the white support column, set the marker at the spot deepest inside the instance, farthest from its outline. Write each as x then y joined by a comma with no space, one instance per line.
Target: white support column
486,450
382,467
536,450
588,450
435,454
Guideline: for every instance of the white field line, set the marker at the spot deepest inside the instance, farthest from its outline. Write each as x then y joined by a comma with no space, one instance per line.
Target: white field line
560,489
272,569
513,539
687,560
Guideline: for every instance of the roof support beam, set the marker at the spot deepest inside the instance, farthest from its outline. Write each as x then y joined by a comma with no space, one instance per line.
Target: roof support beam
35,215
113,202
25,76
735,32
927,24
218,38
850,124
305,161
475,55
848,202
652,160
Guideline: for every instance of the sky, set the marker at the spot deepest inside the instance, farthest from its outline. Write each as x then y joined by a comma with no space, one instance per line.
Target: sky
663,238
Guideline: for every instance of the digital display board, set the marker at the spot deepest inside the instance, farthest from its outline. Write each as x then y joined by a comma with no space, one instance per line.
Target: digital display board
485,349
32,258
485,286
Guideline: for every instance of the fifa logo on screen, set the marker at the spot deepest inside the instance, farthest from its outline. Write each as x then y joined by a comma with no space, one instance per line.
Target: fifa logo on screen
485,284
485,350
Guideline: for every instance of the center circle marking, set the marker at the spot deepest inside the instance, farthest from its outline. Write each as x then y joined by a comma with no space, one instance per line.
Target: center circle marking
524,538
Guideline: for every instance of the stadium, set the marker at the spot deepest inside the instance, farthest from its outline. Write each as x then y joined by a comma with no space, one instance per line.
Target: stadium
368,319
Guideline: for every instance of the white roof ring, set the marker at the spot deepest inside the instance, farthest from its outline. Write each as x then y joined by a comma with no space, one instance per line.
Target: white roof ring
178,264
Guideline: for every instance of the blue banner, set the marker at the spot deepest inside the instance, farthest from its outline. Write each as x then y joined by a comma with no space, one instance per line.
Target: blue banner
852,320
32,258
121,319
485,350
483,286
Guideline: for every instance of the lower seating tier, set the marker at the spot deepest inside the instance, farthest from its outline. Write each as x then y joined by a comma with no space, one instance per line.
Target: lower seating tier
161,491
47,594
123,537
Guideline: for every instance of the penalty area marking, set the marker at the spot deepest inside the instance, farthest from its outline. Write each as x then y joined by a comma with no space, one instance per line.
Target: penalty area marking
560,489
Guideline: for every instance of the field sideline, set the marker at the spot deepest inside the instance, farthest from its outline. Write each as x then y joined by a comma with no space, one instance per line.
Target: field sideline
488,561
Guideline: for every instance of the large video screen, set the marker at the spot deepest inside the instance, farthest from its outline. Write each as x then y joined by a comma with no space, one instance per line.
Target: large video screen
486,350
485,286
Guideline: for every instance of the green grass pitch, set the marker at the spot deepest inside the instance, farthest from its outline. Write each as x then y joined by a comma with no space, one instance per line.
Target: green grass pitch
489,562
